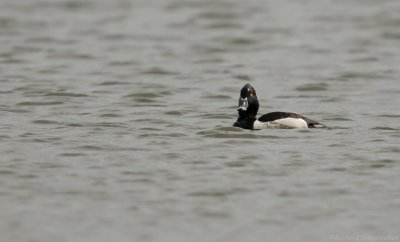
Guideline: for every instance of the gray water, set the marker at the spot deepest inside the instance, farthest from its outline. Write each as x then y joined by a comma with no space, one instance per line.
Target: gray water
116,120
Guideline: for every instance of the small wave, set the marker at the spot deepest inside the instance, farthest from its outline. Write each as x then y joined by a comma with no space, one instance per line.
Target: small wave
225,135
389,115
174,113
43,121
391,35
39,103
217,116
90,147
217,15
145,100
241,41
336,118
112,83
16,110
72,154
65,94
383,128
158,71
218,96
225,25
12,61
360,75
71,55
312,87
243,77
148,94
217,193
7,172
46,140
170,135
123,63
110,115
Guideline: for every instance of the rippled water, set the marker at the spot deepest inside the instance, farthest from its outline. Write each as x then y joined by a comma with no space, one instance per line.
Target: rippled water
116,120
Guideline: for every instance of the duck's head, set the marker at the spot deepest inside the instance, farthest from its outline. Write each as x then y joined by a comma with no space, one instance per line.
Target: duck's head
248,102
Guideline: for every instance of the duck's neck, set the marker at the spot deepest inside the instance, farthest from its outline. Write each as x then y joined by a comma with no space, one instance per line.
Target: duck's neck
246,121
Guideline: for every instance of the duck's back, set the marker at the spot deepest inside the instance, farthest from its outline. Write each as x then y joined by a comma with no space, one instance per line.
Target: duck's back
291,120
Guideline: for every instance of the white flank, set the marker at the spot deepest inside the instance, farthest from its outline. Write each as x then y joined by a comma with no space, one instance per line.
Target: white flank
292,122
284,123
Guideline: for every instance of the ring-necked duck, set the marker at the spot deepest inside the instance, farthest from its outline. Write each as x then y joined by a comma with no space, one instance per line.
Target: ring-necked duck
248,108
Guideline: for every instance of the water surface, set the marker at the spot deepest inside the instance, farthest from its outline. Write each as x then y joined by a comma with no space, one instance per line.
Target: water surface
116,120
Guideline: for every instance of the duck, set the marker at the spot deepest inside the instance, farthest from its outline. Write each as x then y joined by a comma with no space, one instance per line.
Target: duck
248,108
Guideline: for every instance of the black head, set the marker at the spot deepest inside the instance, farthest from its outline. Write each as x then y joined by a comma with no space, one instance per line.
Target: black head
248,102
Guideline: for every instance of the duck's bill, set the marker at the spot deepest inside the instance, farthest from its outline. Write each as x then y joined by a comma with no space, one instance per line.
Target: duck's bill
243,104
